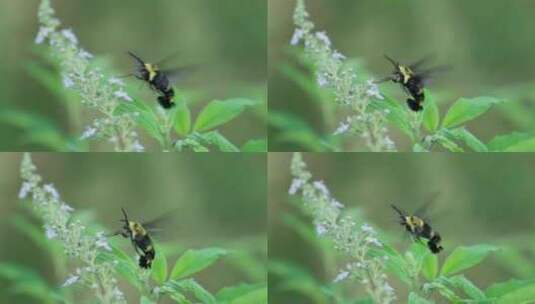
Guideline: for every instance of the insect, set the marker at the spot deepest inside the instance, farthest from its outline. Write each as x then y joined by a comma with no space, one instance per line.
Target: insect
412,79
420,229
139,236
158,79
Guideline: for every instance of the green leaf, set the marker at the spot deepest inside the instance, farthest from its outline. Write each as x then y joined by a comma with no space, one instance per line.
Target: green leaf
182,122
191,286
217,139
35,234
500,289
125,266
525,294
145,300
468,287
26,281
294,130
466,109
159,267
419,148
302,80
503,142
297,279
469,139
447,142
414,298
397,264
47,77
255,145
431,115
143,115
37,129
397,114
522,146
219,112
430,266
243,294
193,261
444,290
465,257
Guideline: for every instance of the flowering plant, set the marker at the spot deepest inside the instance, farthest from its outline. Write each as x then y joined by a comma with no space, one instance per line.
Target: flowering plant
374,270
120,118
99,264
370,118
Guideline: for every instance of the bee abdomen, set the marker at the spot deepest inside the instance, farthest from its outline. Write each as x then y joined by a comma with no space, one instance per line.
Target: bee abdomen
145,261
415,104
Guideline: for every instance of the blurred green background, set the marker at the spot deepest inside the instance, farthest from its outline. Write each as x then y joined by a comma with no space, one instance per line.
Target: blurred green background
489,45
227,40
483,199
215,200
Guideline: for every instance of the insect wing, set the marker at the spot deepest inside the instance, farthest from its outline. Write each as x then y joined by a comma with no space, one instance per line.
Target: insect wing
415,66
179,74
422,211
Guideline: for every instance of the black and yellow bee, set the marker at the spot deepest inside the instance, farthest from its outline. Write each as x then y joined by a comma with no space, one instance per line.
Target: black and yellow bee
139,236
412,79
158,79
420,229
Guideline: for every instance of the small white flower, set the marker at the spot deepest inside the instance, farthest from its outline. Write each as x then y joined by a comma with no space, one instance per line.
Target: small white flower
321,79
71,280
115,80
373,90
51,190
24,190
50,232
322,36
343,127
117,294
373,241
102,242
85,54
43,33
88,132
297,36
341,276
320,229
338,56
67,82
320,186
137,147
388,288
69,35
295,186
123,95
366,228
66,208
389,144
336,204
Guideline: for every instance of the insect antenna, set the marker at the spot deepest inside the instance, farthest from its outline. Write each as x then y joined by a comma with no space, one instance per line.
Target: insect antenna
394,63
125,216
399,211
136,58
